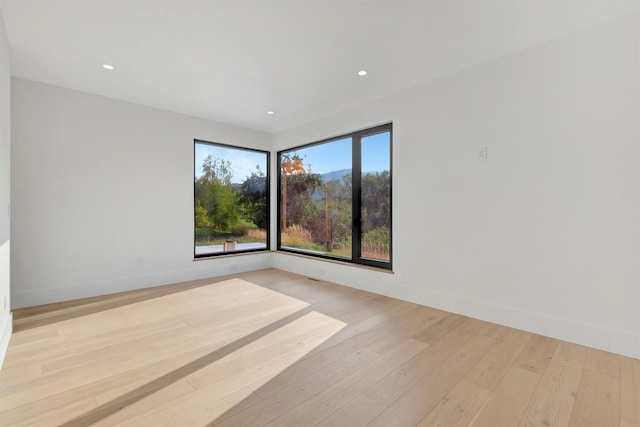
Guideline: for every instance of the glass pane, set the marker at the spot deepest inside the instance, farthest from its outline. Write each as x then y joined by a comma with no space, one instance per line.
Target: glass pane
316,199
231,205
376,197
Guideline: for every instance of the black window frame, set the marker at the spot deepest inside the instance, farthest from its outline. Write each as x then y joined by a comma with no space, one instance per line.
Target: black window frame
267,195
356,170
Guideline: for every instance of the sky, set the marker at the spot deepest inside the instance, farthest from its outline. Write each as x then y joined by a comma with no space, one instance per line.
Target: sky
323,158
336,155
243,162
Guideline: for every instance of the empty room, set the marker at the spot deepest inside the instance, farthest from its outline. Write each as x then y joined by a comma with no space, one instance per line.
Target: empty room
320,213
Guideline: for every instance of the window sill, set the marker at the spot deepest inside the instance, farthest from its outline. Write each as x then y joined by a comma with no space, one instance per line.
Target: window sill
231,254
337,262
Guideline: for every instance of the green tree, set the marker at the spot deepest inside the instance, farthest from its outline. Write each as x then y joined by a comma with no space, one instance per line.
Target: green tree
253,198
213,190
376,200
201,216
338,206
376,214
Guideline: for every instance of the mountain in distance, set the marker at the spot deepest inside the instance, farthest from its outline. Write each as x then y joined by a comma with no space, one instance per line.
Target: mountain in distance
333,175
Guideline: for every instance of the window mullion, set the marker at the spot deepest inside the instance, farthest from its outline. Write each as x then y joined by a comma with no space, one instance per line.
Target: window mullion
356,180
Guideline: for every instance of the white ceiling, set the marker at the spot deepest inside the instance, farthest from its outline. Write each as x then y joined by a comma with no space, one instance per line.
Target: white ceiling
232,60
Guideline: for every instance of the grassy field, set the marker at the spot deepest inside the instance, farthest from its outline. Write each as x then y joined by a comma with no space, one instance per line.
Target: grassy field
374,247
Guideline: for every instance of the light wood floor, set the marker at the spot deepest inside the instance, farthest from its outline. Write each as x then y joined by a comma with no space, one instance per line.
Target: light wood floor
274,348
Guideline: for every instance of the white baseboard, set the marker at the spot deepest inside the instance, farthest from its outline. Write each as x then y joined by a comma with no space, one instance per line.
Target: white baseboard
626,343
7,329
202,269
621,342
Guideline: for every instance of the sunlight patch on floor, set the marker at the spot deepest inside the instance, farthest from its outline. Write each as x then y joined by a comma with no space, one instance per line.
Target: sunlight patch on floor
69,369
222,385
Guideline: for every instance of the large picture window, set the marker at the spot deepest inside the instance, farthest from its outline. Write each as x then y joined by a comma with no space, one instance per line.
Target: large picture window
335,198
231,199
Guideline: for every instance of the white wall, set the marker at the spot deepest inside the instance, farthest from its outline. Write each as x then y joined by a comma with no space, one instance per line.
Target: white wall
5,191
102,195
544,236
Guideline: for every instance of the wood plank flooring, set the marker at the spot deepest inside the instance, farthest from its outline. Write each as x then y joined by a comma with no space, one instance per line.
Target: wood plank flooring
274,348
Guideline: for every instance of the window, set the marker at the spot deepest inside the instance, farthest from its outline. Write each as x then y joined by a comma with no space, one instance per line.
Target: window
335,198
231,199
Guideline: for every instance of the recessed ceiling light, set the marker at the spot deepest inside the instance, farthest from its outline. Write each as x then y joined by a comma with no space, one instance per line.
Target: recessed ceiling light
271,113
108,67
362,73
